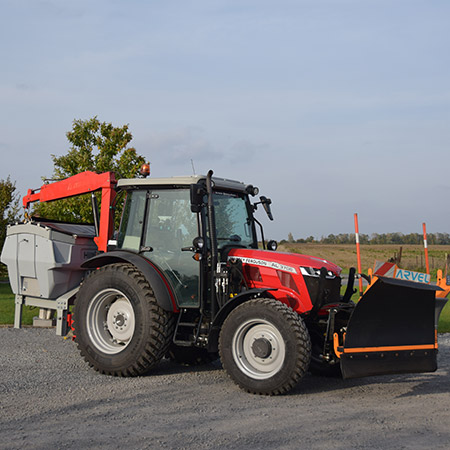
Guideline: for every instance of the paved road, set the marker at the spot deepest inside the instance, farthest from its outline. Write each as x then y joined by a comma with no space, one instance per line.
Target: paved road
49,398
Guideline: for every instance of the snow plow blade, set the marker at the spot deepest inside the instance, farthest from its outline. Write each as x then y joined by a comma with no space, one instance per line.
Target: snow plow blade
392,330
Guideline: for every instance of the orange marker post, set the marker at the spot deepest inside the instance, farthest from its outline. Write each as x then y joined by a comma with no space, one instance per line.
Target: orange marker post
358,254
425,246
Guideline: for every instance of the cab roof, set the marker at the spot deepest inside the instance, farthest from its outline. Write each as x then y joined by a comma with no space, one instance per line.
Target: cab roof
178,182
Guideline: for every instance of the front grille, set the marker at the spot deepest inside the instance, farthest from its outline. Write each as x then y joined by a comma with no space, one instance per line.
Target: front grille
331,292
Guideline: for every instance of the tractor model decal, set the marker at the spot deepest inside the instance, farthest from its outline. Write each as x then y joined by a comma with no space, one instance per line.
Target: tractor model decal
262,263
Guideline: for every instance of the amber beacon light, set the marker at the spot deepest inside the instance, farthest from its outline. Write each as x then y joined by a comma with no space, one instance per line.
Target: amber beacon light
145,169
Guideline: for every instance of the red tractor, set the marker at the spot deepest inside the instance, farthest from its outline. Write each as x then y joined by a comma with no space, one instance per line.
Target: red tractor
184,277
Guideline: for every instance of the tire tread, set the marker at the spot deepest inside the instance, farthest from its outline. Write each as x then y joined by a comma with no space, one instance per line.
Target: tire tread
303,347
161,332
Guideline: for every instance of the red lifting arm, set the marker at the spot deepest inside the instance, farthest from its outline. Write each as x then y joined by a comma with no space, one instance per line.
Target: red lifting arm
82,183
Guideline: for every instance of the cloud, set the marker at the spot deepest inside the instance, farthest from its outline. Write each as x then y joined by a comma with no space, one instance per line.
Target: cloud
59,9
180,146
24,87
245,151
177,150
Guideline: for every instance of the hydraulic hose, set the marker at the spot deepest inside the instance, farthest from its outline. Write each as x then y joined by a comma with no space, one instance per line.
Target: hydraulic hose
213,240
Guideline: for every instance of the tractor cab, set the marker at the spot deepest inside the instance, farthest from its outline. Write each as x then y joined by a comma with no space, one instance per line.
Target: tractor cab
166,221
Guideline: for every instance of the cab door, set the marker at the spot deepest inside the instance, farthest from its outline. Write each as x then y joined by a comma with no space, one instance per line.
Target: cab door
169,226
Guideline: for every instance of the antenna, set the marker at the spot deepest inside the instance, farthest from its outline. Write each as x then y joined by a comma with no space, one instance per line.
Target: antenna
192,164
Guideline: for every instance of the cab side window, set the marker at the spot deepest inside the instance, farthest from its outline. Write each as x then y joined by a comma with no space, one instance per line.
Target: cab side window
171,225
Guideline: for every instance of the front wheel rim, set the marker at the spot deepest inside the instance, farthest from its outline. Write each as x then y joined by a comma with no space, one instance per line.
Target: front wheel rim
258,349
111,321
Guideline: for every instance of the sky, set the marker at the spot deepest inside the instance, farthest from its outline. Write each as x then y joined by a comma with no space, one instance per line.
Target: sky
330,107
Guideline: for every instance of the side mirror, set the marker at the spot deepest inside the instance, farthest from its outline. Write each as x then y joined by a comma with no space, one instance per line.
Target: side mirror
266,202
197,196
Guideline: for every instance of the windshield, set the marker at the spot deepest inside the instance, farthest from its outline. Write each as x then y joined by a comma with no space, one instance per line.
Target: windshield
234,224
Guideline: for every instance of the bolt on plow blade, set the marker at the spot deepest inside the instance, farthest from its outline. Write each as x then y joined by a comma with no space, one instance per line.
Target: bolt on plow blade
392,330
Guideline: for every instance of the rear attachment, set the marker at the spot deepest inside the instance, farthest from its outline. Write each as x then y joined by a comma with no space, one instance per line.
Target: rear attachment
393,329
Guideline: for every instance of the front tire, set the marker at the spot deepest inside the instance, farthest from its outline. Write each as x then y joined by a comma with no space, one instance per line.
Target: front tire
120,328
265,347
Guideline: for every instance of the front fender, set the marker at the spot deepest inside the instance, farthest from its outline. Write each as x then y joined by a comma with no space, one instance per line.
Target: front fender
213,338
163,293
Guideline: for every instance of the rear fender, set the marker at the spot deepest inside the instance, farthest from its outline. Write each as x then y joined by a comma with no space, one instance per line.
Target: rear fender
213,338
159,284
391,330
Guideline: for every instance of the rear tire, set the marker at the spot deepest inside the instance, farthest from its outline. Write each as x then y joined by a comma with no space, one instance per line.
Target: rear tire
265,347
120,328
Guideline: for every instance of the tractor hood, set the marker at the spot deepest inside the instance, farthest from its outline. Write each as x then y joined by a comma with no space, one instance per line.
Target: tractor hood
288,262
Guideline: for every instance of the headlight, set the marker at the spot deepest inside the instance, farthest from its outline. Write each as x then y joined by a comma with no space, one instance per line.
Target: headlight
311,272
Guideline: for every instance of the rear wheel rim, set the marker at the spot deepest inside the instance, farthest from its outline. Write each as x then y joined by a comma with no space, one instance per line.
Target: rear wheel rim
258,349
111,321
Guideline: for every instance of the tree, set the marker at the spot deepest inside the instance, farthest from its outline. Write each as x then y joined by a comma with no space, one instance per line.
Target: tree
330,239
363,238
98,147
9,208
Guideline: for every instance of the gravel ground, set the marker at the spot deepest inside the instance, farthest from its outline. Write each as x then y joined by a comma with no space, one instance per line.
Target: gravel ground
50,398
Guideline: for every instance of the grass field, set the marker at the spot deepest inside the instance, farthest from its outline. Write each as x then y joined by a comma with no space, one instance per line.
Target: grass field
7,308
444,320
342,255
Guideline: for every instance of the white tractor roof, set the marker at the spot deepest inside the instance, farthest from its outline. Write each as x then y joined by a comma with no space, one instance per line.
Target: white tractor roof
221,183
